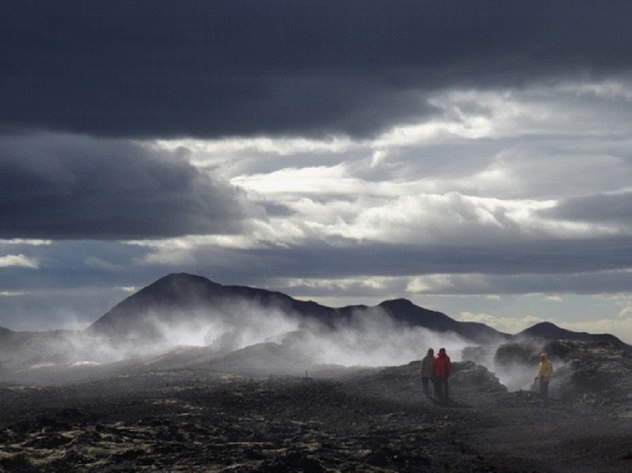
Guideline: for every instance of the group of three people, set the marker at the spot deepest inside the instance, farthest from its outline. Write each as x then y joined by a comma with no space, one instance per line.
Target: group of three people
437,369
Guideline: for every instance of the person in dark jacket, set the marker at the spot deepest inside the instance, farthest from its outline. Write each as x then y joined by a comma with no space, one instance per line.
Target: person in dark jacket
442,369
427,371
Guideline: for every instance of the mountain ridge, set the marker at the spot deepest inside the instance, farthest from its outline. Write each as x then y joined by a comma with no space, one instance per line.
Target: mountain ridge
187,292
184,291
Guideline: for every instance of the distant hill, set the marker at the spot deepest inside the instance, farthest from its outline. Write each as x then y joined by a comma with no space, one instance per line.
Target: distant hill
179,295
405,311
4,333
550,331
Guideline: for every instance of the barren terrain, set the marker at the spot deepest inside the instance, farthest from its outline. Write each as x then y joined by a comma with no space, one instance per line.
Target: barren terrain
372,420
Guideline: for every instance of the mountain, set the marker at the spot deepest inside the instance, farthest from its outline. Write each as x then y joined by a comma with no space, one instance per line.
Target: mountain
550,331
179,297
405,311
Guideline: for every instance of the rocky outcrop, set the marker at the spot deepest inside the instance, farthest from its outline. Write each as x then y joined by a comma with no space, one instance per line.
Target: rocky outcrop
469,383
584,370
593,371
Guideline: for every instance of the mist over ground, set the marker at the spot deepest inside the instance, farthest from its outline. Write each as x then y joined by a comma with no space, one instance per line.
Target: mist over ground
187,322
369,338
229,337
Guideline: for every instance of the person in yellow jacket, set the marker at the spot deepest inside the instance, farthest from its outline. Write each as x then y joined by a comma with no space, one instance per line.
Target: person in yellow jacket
545,371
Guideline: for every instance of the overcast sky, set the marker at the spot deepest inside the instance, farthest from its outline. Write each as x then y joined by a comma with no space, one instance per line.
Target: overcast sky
472,156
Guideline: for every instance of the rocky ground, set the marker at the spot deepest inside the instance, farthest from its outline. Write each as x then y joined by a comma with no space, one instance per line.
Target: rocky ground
358,421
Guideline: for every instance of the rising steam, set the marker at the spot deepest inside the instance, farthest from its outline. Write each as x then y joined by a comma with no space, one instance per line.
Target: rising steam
368,338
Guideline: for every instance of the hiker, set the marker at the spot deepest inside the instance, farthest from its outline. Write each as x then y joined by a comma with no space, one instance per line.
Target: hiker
545,371
427,371
442,369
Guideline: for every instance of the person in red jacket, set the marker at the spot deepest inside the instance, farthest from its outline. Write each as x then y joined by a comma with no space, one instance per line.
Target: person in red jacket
442,369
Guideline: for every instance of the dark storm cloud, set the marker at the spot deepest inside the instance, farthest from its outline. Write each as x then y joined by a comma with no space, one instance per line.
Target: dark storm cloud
71,264
63,187
552,257
601,208
132,68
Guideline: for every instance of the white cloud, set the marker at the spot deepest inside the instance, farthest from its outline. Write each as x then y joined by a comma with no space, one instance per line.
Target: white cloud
281,146
337,200
101,264
129,289
620,327
626,313
12,293
309,180
431,284
609,89
28,242
338,285
19,261
503,323
455,218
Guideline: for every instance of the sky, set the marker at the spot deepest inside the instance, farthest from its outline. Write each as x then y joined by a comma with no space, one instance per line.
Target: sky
473,157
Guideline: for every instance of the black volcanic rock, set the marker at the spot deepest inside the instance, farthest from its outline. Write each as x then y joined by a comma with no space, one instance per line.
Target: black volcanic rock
468,382
593,369
513,353
369,421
